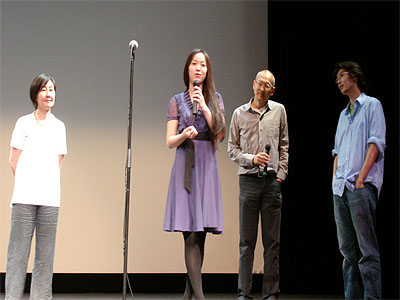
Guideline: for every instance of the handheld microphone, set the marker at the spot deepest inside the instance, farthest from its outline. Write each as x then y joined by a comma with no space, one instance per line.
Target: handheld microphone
267,149
195,108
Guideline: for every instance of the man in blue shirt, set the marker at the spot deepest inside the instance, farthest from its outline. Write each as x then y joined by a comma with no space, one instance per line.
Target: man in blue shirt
357,181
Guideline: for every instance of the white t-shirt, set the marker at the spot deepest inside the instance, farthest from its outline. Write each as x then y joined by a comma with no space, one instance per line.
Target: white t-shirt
37,175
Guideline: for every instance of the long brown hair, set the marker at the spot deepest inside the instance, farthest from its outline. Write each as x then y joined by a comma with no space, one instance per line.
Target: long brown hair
210,96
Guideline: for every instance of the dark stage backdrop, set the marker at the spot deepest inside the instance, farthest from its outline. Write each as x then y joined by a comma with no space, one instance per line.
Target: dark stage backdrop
306,39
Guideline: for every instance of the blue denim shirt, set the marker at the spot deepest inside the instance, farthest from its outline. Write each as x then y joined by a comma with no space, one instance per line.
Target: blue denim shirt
353,136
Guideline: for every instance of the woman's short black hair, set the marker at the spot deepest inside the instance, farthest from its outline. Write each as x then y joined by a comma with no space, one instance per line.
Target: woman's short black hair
37,84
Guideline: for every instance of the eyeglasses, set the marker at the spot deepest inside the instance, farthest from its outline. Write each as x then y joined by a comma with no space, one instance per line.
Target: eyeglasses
264,85
340,75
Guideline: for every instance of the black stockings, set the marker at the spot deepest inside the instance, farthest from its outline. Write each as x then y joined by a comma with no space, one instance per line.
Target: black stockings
194,255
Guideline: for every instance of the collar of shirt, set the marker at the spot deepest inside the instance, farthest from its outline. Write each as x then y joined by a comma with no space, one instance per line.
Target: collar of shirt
359,101
268,106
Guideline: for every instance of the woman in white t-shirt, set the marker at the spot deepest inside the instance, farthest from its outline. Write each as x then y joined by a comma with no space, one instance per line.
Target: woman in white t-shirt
38,146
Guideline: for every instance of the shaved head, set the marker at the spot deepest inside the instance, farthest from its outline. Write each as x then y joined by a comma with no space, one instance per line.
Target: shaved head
267,75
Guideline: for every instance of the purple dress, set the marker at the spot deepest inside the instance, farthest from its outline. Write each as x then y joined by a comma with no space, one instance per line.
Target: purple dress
200,209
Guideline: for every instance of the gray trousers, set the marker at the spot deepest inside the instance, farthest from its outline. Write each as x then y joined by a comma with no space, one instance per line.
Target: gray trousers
24,220
259,195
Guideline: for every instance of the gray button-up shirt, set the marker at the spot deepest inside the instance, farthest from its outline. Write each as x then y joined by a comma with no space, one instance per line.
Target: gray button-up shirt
251,130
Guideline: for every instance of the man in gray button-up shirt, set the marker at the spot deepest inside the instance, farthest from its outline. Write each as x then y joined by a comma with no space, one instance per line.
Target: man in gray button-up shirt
259,144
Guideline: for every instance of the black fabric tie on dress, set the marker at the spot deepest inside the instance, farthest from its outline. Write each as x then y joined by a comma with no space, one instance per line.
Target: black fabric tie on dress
188,145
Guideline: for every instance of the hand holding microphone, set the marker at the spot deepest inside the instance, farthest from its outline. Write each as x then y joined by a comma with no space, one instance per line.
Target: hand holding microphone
267,149
197,96
261,159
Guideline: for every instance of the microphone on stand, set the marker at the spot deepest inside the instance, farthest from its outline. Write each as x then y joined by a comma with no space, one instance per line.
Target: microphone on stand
133,45
195,108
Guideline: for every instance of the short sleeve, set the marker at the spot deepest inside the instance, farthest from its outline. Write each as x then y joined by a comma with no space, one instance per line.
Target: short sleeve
18,135
221,103
172,110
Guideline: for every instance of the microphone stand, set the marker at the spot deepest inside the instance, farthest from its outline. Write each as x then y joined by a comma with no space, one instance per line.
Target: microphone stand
128,178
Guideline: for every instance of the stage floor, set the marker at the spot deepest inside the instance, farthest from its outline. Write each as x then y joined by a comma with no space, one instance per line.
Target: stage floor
96,296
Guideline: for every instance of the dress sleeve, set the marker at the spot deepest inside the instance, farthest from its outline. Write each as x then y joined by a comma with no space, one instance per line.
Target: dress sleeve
172,110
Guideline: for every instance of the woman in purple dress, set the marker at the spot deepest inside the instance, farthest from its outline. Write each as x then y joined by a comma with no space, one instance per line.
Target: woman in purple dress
194,204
